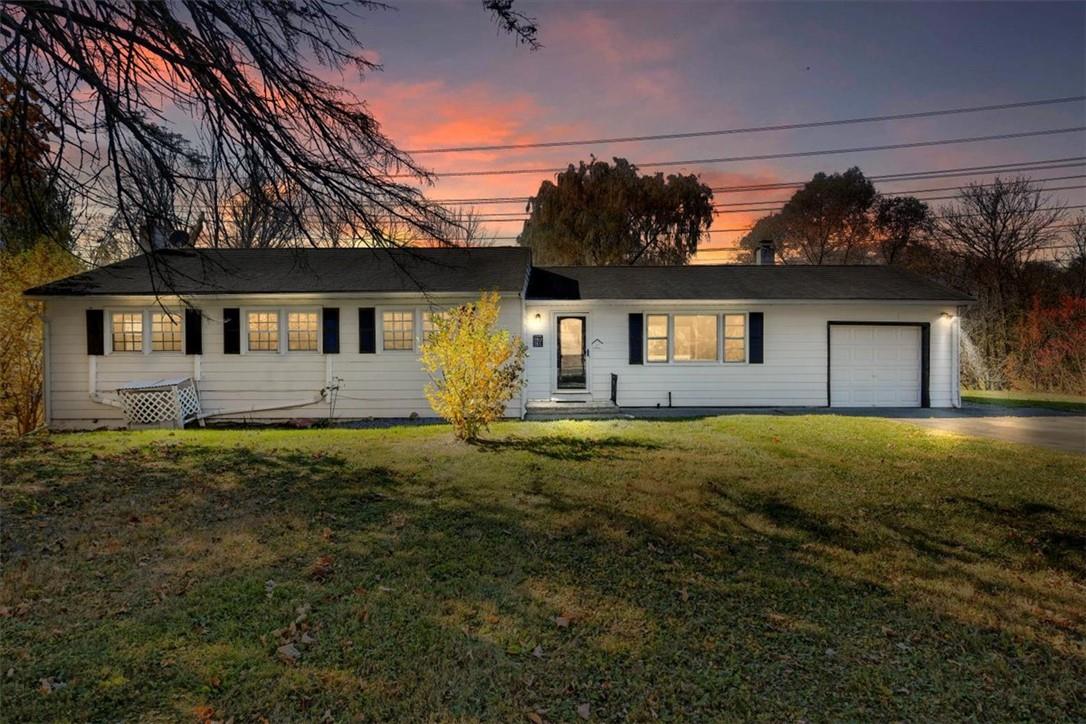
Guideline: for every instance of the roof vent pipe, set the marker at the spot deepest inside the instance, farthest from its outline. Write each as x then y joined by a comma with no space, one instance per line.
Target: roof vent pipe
767,253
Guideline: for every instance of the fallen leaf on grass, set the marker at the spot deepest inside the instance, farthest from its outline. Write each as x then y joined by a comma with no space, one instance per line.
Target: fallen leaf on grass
537,652
204,714
321,568
584,711
288,653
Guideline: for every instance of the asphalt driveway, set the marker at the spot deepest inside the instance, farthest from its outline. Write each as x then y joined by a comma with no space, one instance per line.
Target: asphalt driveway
1047,428
1055,429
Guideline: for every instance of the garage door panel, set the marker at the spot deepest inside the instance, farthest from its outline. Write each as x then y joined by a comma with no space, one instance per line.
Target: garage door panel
875,366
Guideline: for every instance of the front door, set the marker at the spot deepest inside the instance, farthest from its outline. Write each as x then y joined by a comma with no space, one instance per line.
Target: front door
571,353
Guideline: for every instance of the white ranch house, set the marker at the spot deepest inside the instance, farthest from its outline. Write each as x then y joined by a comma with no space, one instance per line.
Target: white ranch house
275,334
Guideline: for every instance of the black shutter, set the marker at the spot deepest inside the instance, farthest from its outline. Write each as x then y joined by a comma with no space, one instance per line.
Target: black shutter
231,330
96,332
330,325
367,330
757,335
194,332
637,345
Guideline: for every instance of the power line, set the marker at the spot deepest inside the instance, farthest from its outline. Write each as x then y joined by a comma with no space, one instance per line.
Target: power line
718,210
912,192
750,129
1025,166
772,156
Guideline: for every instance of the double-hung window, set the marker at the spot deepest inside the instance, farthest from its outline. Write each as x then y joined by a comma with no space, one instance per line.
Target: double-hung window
165,332
302,331
695,338
657,338
428,318
127,331
735,338
398,329
263,331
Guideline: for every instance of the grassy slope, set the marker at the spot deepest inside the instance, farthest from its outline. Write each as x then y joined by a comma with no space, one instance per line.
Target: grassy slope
1074,403
795,567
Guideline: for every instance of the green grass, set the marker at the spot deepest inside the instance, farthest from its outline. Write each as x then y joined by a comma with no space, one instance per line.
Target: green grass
1012,398
741,567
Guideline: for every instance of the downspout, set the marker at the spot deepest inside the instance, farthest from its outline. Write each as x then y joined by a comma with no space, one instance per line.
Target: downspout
316,399
46,377
92,384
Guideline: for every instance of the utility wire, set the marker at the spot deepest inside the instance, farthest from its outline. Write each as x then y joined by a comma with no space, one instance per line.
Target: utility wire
1025,166
772,156
750,129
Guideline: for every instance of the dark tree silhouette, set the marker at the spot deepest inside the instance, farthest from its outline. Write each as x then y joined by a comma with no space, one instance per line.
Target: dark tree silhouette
900,224
597,213
109,73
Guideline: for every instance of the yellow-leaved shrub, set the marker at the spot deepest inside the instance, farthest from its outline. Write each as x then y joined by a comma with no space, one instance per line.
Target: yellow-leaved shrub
21,393
475,368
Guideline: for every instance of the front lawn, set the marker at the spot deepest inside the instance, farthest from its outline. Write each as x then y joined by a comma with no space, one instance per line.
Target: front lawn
1012,398
736,567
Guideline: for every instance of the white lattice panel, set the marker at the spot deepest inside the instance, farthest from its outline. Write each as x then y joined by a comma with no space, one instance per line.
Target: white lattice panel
162,402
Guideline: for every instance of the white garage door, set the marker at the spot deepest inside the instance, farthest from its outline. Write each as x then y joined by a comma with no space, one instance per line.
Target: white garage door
872,366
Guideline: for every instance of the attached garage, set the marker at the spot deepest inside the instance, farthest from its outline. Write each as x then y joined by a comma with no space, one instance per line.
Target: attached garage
878,364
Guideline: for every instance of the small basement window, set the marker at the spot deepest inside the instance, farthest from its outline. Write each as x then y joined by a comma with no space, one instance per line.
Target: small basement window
656,338
302,330
263,331
398,330
127,332
695,338
735,338
165,332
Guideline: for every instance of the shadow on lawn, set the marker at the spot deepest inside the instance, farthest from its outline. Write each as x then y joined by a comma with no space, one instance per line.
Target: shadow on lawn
434,604
567,447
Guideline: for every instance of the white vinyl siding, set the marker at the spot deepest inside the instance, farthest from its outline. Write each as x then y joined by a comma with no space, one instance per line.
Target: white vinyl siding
372,385
794,372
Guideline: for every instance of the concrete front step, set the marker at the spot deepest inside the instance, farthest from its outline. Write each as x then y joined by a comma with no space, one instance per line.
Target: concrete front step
560,409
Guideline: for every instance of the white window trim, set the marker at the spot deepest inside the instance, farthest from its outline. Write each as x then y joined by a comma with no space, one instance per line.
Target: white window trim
746,337
284,330
719,361
667,321
280,345
148,334
695,362
145,331
416,326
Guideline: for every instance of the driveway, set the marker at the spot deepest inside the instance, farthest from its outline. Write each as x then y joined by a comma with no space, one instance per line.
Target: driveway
1048,428
1056,429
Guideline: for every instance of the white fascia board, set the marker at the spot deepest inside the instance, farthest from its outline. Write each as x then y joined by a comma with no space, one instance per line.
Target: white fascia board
747,302
103,299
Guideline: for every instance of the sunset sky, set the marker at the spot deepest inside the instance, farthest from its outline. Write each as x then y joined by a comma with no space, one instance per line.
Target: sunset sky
612,69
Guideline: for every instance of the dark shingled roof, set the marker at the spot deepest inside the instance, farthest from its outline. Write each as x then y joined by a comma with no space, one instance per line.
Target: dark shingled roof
734,281
270,271
256,271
